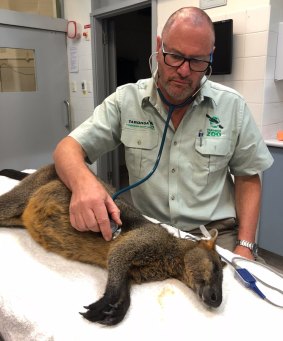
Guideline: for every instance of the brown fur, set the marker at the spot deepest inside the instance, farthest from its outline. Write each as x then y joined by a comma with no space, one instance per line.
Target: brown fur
142,252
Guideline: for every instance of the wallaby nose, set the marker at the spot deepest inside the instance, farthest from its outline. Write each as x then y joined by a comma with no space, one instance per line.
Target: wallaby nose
212,297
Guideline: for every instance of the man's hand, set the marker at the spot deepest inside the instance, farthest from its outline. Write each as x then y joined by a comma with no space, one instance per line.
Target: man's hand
91,207
244,252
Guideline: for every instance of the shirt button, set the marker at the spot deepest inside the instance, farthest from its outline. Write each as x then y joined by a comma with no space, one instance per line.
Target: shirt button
173,170
139,142
172,197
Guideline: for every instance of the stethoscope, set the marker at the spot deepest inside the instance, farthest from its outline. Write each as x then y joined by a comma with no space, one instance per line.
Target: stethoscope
171,108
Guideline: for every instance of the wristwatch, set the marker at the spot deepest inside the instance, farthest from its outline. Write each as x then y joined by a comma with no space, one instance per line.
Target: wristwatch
252,246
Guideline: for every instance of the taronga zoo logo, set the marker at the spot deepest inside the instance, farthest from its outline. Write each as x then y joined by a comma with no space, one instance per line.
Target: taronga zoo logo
215,130
140,124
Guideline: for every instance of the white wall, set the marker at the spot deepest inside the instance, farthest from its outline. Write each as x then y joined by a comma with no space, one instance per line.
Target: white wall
166,7
82,103
255,41
273,91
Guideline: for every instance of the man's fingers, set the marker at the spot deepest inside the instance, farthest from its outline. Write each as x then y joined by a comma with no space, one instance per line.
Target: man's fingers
84,222
114,212
115,216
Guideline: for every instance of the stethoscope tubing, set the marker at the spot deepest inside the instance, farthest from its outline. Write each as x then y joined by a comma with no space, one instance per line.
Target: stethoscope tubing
172,107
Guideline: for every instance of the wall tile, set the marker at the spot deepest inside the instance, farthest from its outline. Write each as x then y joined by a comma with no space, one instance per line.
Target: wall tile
85,62
237,70
236,85
254,68
272,44
270,67
273,91
256,44
239,45
273,113
84,47
219,17
258,19
239,22
253,91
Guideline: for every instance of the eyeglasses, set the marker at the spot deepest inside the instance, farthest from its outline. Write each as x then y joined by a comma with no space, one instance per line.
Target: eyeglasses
176,60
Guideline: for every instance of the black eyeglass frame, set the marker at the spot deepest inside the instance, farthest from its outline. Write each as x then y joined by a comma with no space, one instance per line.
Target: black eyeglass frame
185,59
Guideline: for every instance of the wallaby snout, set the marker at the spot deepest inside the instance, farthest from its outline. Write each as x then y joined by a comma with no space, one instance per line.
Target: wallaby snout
211,295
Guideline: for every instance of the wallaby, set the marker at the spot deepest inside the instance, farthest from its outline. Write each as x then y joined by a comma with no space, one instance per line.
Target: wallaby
143,252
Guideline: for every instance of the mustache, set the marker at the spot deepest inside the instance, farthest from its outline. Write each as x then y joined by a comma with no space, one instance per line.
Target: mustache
181,79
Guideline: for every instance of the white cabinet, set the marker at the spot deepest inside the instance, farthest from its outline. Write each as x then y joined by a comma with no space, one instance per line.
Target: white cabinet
270,236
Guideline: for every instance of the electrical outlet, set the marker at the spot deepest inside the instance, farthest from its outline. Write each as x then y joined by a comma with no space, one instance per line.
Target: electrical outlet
84,87
73,86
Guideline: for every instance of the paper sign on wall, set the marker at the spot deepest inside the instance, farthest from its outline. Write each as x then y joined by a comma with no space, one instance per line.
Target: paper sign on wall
205,4
73,59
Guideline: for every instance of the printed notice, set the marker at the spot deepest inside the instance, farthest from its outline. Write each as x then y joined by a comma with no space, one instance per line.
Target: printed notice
205,4
73,59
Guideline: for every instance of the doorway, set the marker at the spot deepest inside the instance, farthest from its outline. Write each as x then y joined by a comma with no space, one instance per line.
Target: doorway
127,43
133,49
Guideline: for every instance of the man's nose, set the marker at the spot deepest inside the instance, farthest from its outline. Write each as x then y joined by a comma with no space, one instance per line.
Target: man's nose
185,69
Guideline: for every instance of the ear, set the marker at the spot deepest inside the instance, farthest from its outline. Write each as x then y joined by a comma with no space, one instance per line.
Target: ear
214,234
223,264
158,43
210,243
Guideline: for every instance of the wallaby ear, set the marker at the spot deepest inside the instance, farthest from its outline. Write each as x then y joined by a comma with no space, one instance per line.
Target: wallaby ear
210,243
214,234
223,264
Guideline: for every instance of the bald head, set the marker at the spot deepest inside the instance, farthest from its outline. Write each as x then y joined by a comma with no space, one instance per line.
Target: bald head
192,16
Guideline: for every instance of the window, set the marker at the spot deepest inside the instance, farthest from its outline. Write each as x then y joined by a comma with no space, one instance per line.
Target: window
49,8
17,70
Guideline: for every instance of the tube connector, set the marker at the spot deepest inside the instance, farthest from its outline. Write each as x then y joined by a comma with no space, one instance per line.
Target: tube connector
248,280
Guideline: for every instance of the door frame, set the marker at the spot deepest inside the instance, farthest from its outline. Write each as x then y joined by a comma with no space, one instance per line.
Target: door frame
103,62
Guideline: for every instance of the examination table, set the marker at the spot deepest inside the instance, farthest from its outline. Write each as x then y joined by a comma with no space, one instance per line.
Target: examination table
41,295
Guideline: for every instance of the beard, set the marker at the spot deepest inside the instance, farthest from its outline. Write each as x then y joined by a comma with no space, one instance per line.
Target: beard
181,92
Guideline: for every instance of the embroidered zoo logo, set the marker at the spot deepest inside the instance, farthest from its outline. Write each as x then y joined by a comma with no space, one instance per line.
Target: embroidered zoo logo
140,124
215,125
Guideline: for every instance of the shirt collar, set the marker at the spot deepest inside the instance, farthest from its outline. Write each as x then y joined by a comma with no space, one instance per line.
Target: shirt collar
150,95
206,92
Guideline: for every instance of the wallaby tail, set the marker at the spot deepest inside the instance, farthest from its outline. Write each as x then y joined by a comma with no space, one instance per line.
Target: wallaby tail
13,202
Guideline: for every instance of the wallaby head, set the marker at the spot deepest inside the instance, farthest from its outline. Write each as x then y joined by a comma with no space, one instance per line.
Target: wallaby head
203,271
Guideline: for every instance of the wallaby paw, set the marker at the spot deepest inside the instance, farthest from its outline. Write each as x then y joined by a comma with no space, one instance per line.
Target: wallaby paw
107,311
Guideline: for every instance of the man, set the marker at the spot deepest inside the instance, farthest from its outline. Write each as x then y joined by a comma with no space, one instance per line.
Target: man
208,138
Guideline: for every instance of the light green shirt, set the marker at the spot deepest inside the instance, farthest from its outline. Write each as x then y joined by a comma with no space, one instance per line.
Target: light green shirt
192,184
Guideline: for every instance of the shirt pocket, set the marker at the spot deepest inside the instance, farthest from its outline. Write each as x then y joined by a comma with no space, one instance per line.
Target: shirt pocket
140,150
212,156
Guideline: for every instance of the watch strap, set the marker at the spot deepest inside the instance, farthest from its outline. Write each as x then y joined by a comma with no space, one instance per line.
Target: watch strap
251,246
